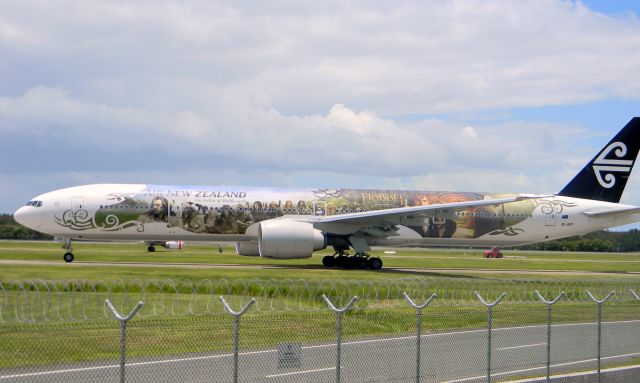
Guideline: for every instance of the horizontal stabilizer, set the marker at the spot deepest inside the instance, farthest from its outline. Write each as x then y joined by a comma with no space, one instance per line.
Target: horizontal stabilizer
609,212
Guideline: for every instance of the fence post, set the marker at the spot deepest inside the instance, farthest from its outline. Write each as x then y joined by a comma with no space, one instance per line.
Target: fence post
123,331
489,326
236,331
419,327
549,306
339,313
599,302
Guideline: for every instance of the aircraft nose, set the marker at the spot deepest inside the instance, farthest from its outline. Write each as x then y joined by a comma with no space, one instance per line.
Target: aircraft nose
26,216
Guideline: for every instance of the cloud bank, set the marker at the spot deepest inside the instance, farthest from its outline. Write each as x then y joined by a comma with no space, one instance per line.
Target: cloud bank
369,94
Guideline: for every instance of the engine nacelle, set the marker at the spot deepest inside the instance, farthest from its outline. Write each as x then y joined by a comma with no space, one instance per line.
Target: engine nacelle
175,245
289,239
247,248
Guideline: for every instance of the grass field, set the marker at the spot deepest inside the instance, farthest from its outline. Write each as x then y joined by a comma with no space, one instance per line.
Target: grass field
198,272
179,287
194,262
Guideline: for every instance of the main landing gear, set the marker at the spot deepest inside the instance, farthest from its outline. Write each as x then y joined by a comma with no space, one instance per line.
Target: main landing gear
358,261
68,256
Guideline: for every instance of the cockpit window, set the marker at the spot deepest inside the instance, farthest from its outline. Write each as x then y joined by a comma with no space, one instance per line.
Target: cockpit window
34,203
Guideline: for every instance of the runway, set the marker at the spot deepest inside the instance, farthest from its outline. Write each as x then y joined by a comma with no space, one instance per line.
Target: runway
453,357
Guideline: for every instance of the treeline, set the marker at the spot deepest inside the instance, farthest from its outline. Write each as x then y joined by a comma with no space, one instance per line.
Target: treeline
10,229
599,241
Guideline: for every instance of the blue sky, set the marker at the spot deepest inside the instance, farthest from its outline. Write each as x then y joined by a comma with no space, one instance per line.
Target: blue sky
433,95
615,7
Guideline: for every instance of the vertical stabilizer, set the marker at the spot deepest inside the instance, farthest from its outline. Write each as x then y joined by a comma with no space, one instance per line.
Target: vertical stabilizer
606,175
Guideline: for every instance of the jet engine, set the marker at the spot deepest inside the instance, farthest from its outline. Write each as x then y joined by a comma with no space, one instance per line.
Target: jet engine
289,239
174,245
247,248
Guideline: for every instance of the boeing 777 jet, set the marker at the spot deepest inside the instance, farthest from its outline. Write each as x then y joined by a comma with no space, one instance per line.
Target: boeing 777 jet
293,223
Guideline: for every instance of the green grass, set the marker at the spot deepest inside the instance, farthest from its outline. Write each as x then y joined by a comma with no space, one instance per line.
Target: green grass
165,264
70,324
194,275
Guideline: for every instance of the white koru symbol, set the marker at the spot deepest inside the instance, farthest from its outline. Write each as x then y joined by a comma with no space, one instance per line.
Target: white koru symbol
603,164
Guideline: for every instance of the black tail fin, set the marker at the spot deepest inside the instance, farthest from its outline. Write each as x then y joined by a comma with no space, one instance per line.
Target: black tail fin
606,175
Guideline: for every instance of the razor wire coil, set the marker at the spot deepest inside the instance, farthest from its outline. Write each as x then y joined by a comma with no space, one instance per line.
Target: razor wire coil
40,300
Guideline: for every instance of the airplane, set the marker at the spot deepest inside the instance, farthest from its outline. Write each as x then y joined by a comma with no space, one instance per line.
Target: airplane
293,223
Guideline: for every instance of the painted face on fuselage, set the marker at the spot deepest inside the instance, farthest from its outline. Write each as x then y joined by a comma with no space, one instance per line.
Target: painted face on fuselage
157,205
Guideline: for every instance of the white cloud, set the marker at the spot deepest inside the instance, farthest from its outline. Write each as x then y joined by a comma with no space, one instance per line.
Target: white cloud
342,140
303,93
469,133
417,57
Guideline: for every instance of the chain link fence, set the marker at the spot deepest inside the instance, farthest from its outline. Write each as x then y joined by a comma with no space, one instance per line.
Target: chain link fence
55,331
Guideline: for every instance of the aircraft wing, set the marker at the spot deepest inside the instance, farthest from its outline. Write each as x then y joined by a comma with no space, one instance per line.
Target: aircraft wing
413,214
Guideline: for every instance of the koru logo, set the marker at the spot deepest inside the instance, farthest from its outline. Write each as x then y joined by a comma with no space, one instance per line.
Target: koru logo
603,165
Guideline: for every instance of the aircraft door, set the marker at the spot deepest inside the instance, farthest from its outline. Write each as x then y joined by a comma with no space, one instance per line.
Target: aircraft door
320,208
77,203
550,219
173,209
173,216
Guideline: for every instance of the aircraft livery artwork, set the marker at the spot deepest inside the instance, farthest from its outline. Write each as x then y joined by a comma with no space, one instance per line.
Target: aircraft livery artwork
233,211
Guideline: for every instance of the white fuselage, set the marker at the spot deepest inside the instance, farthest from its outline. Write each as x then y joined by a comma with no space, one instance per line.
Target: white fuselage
204,213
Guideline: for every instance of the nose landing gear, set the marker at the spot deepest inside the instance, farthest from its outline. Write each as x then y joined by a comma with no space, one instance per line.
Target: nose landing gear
68,256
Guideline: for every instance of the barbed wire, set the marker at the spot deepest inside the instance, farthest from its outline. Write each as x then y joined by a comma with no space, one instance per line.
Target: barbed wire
72,300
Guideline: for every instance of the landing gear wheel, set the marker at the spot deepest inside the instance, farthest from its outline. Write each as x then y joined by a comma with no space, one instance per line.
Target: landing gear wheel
68,257
341,261
350,263
375,263
328,261
362,263
151,249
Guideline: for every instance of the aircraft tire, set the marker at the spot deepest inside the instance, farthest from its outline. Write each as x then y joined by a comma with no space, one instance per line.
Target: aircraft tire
151,249
328,261
350,263
68,257
341,261
362,263
374,263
